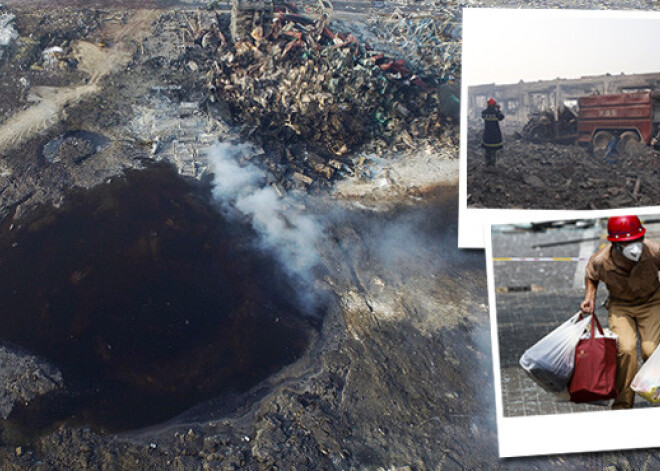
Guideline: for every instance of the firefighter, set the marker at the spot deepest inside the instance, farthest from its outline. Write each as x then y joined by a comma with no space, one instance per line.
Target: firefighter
629,268
492,140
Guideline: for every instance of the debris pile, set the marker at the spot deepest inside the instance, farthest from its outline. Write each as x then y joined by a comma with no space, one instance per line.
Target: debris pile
431,40
250,16
8,33
51,56
23,378
555,176
75,23
50,36
180,134
311,96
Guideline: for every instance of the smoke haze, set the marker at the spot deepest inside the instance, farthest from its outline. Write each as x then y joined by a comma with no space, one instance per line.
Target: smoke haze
284,230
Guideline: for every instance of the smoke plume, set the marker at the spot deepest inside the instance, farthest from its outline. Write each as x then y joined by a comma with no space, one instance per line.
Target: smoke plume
284,229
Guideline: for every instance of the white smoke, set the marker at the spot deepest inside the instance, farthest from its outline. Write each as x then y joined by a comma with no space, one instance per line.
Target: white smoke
284,229
230,179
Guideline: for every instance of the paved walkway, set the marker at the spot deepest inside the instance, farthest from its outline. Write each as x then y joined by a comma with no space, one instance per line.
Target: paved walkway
532,299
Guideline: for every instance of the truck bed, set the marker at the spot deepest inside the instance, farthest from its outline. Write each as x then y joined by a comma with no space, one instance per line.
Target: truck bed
616,112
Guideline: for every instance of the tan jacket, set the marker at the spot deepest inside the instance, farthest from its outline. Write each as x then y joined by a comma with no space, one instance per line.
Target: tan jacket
627,281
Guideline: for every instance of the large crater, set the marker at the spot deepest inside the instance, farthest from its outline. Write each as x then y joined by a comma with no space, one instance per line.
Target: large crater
146,299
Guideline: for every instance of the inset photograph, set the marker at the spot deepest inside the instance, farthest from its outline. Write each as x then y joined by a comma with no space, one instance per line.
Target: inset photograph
561,111
577,316
564,121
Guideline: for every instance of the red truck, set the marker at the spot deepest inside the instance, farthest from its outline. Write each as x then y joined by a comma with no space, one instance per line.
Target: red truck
625,119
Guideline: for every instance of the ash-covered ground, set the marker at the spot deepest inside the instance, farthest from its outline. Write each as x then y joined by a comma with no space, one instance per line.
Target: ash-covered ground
395,373
531,175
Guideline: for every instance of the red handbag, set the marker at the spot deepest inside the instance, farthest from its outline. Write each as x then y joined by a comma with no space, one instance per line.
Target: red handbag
594,377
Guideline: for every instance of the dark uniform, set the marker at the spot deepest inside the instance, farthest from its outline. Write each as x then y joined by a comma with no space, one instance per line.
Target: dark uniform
492,140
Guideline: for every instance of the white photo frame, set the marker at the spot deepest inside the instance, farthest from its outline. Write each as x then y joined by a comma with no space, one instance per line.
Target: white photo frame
473,221
565,433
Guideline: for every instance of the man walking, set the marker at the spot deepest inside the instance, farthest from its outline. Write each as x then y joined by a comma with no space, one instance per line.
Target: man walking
492,139
629,268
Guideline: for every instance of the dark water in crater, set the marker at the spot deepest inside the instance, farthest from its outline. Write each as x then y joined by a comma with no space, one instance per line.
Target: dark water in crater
146,299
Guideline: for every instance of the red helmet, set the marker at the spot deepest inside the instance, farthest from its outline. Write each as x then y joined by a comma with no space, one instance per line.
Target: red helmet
624,229
491,102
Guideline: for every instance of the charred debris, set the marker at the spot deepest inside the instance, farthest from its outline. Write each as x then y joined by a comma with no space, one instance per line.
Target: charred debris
556,176
309,95
315,99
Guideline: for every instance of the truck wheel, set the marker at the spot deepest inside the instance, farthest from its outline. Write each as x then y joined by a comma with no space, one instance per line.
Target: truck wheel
600,140
629,143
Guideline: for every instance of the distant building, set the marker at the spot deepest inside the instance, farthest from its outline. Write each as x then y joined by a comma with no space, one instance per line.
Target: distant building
519,100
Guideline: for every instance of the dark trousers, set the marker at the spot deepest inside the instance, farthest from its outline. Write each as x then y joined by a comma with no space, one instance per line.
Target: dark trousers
490,156
625,320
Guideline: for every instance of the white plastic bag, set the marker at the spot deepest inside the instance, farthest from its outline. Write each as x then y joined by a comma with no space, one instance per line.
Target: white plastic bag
646,382
551,360
607,333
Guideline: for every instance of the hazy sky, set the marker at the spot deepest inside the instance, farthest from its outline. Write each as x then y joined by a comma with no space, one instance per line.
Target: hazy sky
505,46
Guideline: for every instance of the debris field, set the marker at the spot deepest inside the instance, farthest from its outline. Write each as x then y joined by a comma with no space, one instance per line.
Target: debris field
311,96
344,138
554,176
353,122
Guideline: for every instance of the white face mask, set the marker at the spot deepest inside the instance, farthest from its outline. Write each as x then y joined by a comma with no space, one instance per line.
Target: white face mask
633,251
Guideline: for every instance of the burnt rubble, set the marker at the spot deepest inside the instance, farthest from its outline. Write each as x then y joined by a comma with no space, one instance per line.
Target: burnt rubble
311,97
430,40
36,49
8,31
55,30
555,176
